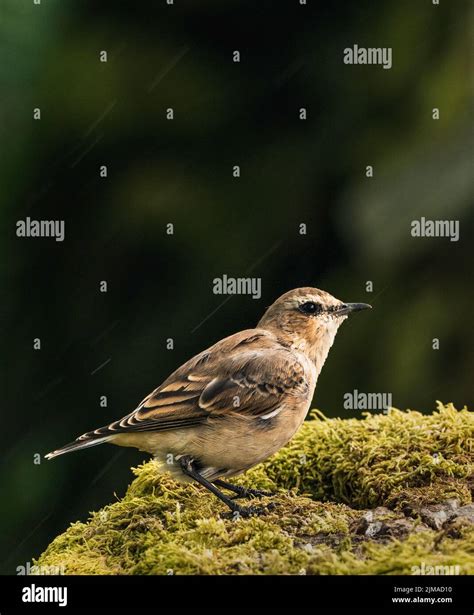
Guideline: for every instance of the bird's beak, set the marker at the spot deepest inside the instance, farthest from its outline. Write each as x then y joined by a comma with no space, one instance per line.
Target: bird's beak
348,308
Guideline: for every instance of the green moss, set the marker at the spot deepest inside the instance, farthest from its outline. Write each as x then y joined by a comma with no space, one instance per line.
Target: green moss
335,470
411,499
400,557
362,462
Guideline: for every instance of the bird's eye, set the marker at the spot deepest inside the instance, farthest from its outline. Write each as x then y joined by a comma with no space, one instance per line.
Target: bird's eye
309,307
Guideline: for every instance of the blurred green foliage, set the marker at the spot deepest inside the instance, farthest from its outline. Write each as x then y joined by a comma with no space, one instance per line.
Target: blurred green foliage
180,172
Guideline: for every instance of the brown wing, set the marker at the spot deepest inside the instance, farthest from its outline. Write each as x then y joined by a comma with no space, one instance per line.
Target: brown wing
247,373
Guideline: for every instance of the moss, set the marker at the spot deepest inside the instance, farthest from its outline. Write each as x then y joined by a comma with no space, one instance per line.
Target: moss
412,499
362,462
327,478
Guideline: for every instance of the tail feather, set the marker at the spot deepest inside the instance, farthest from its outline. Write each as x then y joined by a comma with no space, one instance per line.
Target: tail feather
81,442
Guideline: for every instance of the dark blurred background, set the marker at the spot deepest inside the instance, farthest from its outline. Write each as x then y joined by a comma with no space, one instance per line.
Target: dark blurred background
293,172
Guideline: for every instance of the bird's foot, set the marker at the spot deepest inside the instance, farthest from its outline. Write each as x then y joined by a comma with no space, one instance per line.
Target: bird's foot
244,492
241,512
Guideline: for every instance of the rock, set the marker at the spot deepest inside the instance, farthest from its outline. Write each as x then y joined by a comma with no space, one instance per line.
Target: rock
436,515
353,497
382,523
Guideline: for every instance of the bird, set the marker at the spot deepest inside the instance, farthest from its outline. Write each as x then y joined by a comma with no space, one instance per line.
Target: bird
236,403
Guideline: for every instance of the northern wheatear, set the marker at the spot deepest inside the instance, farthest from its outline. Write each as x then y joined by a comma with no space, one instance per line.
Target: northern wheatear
238,402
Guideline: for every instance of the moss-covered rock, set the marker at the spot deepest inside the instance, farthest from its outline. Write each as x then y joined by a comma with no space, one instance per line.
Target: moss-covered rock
373,496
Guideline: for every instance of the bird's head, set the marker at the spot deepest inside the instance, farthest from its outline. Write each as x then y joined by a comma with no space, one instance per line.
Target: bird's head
308,319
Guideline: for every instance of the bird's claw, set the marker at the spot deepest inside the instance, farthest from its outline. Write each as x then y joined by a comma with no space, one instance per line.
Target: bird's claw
252,493
244,512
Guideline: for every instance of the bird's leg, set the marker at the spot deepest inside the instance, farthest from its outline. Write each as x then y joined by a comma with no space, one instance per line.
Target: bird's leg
188,468
242,492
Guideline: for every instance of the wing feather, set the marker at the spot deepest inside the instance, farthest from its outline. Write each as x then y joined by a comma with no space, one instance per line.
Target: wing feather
248,373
